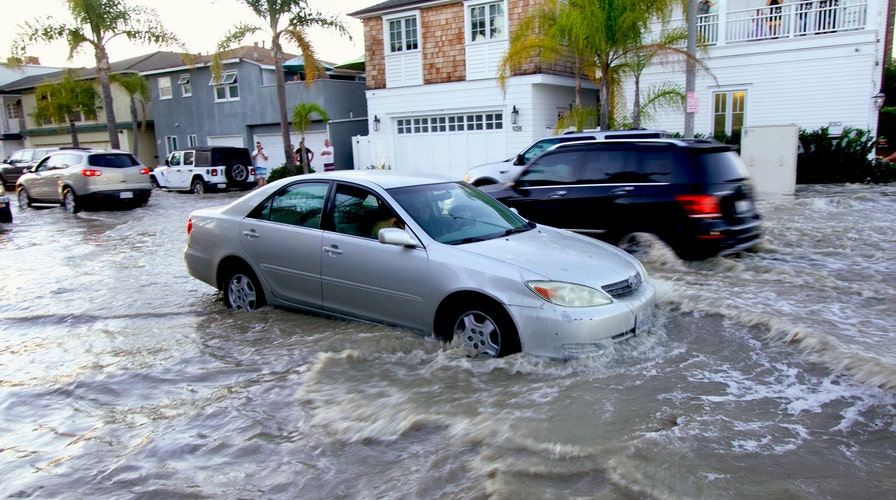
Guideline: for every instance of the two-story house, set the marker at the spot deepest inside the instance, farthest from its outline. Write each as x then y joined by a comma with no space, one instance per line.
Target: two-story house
812,63
13,114
93,132
195,107
432,98
434,104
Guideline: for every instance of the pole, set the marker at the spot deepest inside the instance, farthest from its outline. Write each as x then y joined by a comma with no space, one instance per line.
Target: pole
691,68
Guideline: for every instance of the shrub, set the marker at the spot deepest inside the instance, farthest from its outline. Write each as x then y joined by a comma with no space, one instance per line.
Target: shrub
282,172
826,159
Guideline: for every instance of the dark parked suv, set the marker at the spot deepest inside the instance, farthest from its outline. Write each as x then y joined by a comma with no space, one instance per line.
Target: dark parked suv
695,195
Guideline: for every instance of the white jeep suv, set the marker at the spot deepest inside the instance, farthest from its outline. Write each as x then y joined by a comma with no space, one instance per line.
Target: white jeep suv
502,172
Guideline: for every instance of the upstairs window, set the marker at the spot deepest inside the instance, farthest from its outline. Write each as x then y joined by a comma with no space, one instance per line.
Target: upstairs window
186,89
403,35
487,22
226,87
165,87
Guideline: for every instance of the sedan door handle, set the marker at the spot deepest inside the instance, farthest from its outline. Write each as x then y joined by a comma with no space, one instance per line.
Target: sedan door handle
622,190
557,194
251,234
333,250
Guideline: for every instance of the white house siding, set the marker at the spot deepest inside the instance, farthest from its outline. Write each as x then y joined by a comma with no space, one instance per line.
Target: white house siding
812,81
538,99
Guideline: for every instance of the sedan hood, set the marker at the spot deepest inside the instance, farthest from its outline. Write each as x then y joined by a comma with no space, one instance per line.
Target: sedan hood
559,255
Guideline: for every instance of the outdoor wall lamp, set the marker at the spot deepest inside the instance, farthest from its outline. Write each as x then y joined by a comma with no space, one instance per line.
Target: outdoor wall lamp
376,123
878,100
515,116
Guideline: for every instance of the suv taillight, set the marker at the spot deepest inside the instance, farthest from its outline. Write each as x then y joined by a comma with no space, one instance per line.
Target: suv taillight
144,171
700,206
90,172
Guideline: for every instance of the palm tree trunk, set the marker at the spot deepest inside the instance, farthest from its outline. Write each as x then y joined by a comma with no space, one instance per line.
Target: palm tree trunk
102,72
281,103
134,124
74,131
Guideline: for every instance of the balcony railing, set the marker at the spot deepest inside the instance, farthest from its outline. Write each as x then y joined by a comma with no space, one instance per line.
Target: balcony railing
806,18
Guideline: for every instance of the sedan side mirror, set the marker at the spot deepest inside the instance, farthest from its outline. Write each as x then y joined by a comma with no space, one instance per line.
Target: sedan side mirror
395,236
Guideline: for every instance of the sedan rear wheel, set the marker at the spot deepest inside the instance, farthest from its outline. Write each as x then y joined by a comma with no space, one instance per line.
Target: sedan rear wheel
70,201
242,290
486,329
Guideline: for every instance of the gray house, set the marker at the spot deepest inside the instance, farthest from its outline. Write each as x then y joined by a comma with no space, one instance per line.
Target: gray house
239,106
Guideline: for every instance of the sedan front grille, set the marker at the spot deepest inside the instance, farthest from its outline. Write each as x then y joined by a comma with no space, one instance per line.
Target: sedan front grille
624,288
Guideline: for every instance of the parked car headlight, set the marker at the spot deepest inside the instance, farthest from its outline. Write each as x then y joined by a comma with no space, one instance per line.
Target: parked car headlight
568,294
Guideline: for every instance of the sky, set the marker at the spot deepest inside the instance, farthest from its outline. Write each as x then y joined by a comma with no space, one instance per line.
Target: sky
199,23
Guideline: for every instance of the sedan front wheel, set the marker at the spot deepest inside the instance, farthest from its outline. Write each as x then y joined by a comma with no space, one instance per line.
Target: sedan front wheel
242,290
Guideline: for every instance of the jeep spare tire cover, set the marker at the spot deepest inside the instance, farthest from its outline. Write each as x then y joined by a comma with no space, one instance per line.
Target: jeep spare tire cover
237,173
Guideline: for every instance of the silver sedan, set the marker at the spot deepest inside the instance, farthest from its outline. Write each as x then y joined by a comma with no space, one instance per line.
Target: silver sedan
424,253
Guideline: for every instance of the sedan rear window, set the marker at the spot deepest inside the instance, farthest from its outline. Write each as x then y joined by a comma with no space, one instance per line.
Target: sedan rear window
113,160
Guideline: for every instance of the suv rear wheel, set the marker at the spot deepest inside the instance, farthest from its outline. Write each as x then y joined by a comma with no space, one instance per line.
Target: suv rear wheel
70,201
197,187
237,173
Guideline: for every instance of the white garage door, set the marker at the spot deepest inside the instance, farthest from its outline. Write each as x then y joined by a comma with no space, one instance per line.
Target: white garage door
226,140
273,145
448,144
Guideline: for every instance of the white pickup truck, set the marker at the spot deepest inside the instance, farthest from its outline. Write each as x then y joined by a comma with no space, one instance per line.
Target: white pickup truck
205,168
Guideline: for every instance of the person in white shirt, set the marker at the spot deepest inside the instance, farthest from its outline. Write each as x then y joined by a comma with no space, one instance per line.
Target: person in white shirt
261,164
327,155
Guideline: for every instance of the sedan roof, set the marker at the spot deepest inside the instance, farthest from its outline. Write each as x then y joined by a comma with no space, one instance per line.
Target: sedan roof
386,179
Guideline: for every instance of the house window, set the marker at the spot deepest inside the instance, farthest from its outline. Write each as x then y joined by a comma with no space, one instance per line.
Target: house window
403,34
487,22
171,143
192,141
165,87
226,87
186,90
728,110
13,112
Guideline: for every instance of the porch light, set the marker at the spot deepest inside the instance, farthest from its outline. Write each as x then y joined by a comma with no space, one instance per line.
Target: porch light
515,116
878,100
376,123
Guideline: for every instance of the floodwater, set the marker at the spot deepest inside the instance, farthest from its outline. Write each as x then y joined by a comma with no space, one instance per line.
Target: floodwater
768,375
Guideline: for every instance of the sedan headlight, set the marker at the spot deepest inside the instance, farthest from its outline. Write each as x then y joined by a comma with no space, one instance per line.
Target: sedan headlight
569,294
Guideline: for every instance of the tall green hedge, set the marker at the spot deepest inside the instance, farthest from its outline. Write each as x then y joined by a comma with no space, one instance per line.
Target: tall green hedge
827,159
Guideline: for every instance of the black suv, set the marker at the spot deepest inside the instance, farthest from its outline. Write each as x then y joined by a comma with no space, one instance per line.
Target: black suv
693,194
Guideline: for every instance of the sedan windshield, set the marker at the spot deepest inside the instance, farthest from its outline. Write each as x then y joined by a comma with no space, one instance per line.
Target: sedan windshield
455,213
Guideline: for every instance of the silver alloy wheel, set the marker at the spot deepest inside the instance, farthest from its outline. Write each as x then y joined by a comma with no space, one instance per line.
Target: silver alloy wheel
479,332
241,293
239,173
69,201
198,187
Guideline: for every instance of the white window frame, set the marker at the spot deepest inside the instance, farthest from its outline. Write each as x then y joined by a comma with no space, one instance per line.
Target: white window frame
441,124
402,47
192,141
186,88
494,20
165,91
729,111
226,86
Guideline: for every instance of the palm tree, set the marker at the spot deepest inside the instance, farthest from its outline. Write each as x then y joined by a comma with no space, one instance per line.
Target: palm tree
66,101
96,22
289,18
301,121
600,36
138,90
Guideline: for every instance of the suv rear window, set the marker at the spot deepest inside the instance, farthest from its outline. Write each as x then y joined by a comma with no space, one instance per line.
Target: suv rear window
230,156
113,160
721,167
